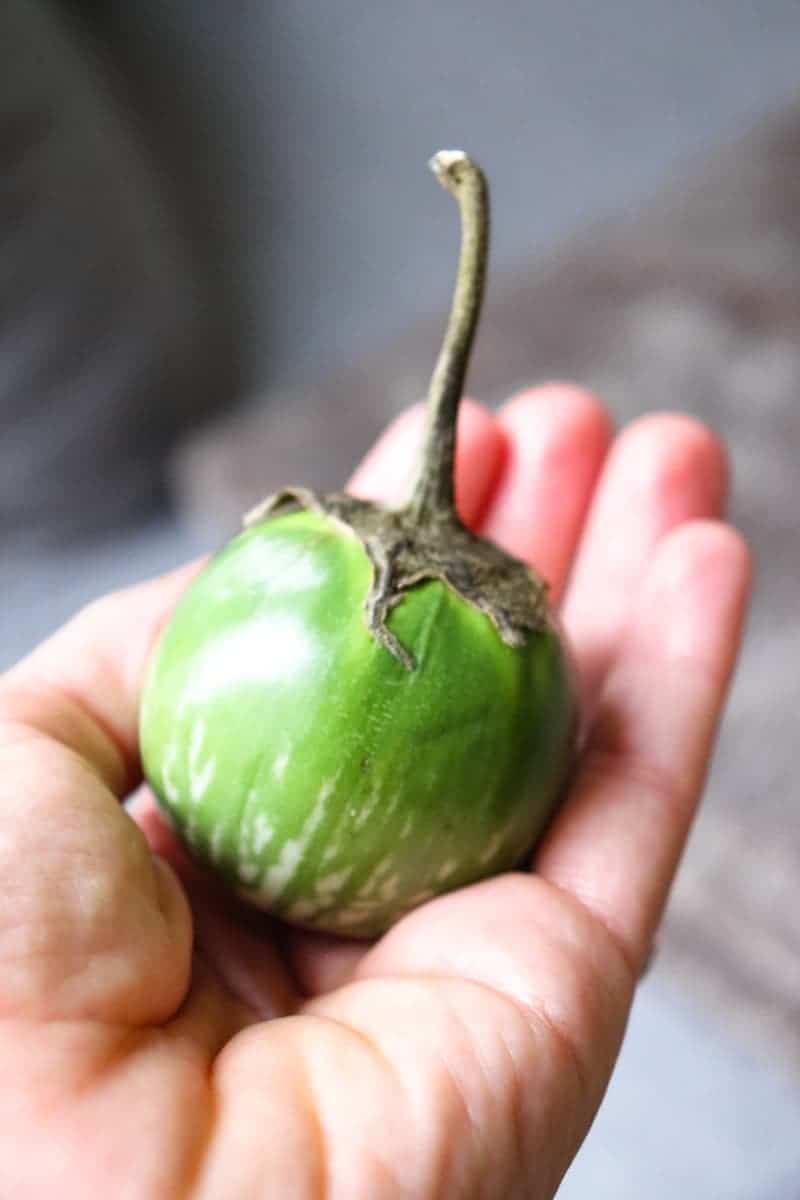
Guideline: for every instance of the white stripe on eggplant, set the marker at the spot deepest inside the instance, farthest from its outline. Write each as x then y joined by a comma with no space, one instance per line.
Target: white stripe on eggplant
199,776
331,852
329,885
363,815
301,910
171,790
215,844
262,834
388,890
393,802
492,846
248,872
447,869
278,876
368,887
354,916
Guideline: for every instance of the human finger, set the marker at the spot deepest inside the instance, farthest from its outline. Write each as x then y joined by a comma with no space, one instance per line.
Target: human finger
663,469
616,843
90,923
557,438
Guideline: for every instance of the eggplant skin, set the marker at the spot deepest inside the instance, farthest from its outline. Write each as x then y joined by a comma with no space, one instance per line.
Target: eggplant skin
325,782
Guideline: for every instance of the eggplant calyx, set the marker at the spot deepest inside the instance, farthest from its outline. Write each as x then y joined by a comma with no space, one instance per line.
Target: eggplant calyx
404,553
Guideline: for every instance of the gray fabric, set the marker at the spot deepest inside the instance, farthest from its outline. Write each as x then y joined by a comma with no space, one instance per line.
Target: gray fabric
104,345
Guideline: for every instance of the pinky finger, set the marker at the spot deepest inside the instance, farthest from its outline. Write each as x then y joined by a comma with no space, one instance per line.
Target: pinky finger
617,842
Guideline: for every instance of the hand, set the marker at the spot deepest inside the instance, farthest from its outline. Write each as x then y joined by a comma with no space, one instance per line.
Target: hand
159,1041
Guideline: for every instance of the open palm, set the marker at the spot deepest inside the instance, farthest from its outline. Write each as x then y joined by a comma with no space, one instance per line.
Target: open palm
159,1041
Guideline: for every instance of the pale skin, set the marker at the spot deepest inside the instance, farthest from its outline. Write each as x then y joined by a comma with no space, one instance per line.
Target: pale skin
156,1041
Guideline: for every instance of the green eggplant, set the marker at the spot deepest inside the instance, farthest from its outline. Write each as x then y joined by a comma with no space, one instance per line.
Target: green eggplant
354,709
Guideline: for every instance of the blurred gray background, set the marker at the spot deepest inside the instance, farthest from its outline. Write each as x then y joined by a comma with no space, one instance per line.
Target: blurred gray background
207,212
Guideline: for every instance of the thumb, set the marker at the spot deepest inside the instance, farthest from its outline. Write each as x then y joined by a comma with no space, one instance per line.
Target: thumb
91,925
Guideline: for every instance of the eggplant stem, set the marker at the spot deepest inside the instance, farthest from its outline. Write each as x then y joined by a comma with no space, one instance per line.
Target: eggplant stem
433,494
425,540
